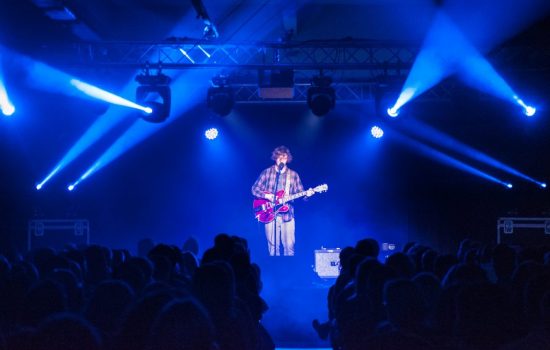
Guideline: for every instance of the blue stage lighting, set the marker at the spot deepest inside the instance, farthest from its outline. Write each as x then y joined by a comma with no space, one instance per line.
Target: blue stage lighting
138,131
376,132
393,112
5,105
220,99
8,110
107,96
211,133
542,184
527,110
38,187
445,158
530,111
70,187
155,94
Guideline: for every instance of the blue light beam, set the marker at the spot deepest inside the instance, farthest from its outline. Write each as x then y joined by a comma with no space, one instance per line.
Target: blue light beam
434,136
5,104
446,159
103,124
446,51
48,78
189,84
106,96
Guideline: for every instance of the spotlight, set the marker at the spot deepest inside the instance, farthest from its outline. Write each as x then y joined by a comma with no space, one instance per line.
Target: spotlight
38,187
154,93
376,132
321,97
529,111
542,184
8,110
211,133
220,97
70,187
509,185
210,32
393,112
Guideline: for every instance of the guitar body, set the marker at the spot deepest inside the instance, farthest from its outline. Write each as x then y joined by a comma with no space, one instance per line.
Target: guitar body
265,210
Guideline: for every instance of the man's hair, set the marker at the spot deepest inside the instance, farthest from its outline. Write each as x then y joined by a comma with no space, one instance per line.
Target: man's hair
281,150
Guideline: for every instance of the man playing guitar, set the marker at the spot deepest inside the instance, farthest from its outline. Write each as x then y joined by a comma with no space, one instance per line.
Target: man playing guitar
272,208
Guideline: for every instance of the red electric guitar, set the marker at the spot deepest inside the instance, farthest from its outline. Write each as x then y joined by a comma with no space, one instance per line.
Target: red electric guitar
265,210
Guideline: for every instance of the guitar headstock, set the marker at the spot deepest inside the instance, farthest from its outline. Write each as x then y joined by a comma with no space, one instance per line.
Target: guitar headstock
321,188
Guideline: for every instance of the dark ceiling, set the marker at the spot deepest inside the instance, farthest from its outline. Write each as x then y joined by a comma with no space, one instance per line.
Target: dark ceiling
144,20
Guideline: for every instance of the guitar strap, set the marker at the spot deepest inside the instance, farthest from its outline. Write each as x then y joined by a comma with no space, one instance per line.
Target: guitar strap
287,182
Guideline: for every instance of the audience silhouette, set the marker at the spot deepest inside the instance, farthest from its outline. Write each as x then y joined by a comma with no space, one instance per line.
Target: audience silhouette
166,297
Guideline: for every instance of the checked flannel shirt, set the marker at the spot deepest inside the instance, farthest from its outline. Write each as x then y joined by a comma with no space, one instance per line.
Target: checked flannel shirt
266,183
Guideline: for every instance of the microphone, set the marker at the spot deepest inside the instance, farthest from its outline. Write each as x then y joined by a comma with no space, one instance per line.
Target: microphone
281,166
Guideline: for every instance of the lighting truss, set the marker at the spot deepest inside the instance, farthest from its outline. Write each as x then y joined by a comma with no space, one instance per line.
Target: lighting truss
388,57
347,92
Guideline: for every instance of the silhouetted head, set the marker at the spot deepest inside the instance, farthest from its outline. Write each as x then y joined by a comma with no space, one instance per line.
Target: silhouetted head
108,304
144,246
67,332
405,304
367,247
191,245
402,264
43,299
183,325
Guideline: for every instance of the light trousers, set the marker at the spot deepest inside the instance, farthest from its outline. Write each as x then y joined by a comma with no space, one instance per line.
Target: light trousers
280,233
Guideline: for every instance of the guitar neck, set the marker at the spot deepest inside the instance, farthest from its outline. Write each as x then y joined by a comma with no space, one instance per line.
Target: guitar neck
294,196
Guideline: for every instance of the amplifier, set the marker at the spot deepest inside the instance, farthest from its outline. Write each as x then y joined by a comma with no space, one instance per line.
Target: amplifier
327,262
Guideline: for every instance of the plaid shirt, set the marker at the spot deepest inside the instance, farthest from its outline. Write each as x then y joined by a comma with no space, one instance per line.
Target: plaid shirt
266,183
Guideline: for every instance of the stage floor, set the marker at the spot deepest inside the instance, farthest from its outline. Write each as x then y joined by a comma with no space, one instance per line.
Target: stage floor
295,296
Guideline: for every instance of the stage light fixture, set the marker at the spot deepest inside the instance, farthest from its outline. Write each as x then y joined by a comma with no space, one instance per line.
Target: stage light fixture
210,31
211,133
321,97
393,112
70,187
527,110
530,111
154,93
376,132
6,106
509,185
8,110
220,98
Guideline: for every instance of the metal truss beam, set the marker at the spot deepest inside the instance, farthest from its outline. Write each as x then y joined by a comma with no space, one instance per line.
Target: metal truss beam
389,58
345,93
380,57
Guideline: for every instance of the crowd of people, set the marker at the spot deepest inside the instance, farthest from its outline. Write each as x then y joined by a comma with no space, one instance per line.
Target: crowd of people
166,297
482,297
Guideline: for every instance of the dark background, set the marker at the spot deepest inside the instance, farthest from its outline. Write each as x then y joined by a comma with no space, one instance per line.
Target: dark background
176,183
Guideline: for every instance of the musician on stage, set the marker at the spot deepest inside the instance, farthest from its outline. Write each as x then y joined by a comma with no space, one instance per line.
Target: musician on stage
273,179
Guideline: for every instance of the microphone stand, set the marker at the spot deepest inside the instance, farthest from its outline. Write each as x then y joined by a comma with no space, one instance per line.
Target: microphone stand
276,243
